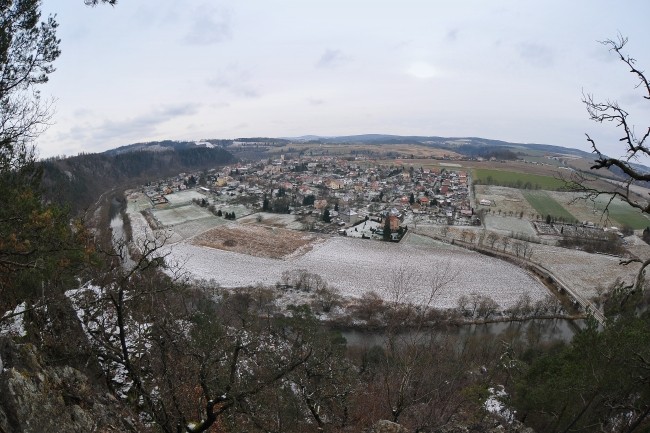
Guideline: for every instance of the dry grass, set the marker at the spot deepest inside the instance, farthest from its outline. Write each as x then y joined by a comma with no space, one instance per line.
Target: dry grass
283,221
405,150
256,241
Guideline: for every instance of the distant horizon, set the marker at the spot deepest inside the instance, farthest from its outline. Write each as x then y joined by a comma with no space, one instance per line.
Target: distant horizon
313,136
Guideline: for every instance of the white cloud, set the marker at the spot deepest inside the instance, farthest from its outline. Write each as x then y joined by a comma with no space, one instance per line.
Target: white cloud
422,70
209,26
331,59
536,54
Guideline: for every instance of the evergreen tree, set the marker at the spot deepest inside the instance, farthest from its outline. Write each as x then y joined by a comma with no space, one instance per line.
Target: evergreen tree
387,228
37,244
308,200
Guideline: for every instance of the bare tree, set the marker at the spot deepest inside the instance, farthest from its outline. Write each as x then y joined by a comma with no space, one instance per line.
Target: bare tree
635,146
505,241
526,250
492,239
408,386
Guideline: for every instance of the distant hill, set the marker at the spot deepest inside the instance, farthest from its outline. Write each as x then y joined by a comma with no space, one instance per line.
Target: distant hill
166,146
78,181
468,146
451,143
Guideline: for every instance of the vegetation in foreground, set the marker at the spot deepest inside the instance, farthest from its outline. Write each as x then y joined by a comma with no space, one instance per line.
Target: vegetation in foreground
175,360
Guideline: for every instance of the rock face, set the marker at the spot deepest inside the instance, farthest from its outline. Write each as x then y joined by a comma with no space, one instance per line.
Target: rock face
385,426
456,427
36,397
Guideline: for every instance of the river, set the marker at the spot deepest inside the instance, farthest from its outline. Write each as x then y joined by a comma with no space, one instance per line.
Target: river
534,330
118,233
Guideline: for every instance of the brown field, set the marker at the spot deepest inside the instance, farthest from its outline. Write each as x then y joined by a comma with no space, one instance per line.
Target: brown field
406,150
518,166
274,220
510,201
256,241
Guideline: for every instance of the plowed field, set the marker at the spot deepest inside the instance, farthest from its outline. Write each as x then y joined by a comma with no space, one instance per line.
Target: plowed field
256,241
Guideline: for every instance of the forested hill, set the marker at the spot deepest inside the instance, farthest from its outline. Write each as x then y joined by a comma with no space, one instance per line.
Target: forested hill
78,181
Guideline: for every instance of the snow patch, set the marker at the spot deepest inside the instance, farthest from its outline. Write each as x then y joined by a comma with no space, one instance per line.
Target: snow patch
494,404
14,326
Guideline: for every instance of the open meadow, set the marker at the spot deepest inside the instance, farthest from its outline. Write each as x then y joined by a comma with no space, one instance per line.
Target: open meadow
515,179
183,197
356,267
559,204
546,205
285,221
587,274
179,214
620,213
504,201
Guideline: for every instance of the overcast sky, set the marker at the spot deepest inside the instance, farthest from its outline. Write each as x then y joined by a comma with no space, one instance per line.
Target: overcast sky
169,69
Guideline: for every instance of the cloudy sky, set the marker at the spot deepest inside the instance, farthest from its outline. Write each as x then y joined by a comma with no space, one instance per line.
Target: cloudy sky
169,69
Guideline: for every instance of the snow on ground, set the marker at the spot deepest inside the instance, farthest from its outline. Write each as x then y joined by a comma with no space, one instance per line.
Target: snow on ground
636,246
188,229
364,229
582,271
181,214
507,225
358,266
13,326
286,221
182,197
139,224
426,241
494,405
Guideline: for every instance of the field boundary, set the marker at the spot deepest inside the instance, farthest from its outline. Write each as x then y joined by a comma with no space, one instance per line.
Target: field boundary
541,272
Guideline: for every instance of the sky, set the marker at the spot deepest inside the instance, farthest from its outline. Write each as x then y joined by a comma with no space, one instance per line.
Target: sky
516,70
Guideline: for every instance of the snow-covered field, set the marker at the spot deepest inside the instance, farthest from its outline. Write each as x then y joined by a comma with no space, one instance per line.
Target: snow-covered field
507,225
286,221
583,272
358,266
184,196
181,214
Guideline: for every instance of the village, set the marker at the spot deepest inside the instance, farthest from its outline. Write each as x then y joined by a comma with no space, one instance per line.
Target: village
350,196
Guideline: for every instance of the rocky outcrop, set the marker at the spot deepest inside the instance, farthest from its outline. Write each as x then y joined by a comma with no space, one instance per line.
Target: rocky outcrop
37,397
385,426
487,425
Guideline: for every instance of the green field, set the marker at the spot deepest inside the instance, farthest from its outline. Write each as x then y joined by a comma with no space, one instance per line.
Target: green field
546,205
515,179
623,214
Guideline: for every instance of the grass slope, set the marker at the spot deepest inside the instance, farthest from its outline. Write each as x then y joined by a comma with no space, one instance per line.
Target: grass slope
546,205
623,214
